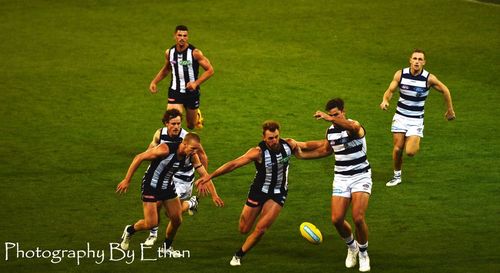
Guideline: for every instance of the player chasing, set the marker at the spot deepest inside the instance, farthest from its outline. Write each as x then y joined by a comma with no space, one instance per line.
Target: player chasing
158,185
352,182
407,128
269,189
183,179
183,60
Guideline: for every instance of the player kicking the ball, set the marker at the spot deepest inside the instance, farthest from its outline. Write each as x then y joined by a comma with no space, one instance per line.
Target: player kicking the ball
352,183
158,186
184,177
269,189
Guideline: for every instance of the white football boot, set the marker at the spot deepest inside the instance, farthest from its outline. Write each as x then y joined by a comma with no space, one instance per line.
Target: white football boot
235,261
352,255
364,262
125,239
151,240
394,181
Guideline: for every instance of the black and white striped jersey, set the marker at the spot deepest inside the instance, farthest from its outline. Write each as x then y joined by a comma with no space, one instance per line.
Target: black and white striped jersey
186,173
184,68
271,174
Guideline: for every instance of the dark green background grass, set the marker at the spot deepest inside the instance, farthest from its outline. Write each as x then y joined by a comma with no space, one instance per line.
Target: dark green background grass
75,108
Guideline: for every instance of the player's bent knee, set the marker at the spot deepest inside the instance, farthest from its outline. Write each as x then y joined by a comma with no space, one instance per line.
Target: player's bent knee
411,153
244,229
337,221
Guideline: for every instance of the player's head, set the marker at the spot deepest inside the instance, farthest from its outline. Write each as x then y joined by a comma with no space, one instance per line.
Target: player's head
335,108
191,143
172,120
417,60
181,35
271,134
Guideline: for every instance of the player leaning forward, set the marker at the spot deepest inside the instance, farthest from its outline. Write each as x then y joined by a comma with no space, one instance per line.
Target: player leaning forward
352,183
158,186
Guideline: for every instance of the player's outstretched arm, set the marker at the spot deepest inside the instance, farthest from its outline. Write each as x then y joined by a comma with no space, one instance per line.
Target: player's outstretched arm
390,90
208,187
150,154
314,149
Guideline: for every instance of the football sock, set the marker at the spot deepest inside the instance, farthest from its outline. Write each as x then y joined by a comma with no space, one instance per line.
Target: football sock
131,229
240,253
153,232
191,205
350,242
363,248
167,243
397,174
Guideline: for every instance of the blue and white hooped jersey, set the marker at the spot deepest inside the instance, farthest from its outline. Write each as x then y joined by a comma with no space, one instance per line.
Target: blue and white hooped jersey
186,173
184,68
350,152
413,91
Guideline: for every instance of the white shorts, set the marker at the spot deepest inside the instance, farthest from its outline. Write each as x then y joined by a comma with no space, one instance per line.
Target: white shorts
345,185
409,126
184,190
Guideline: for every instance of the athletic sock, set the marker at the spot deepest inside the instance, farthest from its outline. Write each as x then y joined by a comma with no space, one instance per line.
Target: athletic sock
167,243
153,232
240,253
363,248
397,174
131,229
350,242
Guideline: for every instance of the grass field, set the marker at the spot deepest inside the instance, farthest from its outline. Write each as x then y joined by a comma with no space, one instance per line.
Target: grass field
75,108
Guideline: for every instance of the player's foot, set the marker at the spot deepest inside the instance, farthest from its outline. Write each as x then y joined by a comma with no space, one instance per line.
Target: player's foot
352,255
364,262
199,124
125,239
235,261
194,207
170,252
150,241
394,181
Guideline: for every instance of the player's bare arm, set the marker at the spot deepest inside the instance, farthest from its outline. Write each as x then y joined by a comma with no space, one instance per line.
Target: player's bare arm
203,157
150,154
390,90
156,139
164,71
352,126
205,63
319,149
251,155
442,88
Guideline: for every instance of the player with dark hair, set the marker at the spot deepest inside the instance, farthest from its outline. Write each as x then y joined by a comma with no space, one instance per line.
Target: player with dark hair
158,185
414,83
352,182
183,179
183,60
269,189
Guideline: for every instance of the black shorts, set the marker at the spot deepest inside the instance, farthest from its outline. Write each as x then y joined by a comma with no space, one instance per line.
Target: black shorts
257,198
150,194
190,99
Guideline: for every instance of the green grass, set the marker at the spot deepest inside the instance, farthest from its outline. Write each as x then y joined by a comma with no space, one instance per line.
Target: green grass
75,108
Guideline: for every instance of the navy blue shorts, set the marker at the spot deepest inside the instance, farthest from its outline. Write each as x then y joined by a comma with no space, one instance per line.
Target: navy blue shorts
257,198
190,99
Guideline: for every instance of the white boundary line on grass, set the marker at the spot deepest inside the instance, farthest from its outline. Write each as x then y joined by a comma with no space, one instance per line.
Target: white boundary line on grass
483,3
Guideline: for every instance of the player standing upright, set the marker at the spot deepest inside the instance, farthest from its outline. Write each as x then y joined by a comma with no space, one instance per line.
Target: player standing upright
352,183
183,60
414,83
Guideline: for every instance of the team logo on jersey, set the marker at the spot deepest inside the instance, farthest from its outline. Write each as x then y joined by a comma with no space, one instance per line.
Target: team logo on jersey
283,160
185,63
405,87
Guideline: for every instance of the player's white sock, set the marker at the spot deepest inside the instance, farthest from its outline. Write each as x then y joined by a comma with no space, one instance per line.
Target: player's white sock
363,248
350,242
397,174
153,232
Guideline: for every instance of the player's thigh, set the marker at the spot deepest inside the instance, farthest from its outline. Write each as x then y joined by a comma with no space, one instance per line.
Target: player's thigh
150,213
398,139
339,207
412,144
177,106
173,208
248,216
191,114
270,211
359,202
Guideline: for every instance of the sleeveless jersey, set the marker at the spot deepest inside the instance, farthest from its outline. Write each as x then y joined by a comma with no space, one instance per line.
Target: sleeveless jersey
350,152
186,173
413,91
271,174
184,68
160,172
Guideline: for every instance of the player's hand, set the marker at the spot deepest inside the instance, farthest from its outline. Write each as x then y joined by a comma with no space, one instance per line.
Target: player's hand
202,188
122,186
450,115
202,180
321,115
384,105
191,86
153,88
217,201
